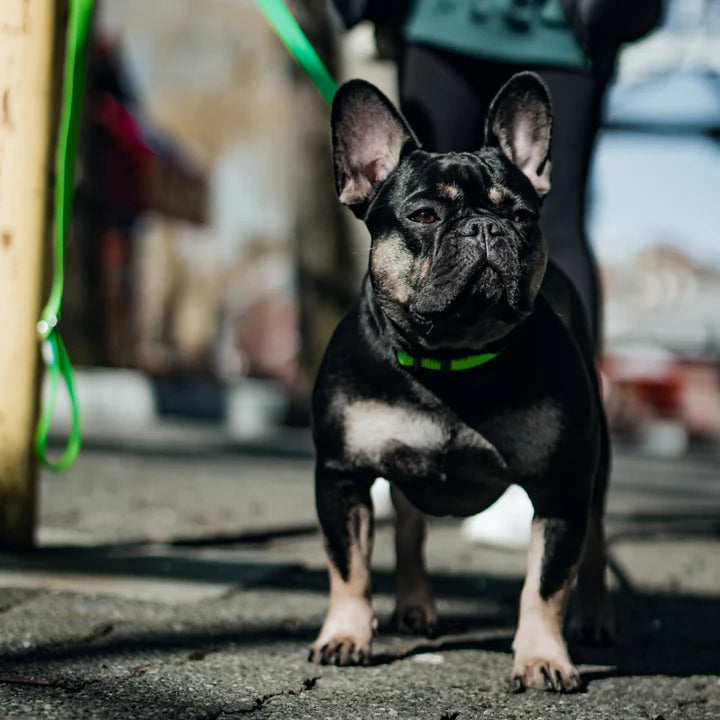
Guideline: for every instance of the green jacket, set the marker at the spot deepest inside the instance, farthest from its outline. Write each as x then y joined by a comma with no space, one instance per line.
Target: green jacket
529,32
554,33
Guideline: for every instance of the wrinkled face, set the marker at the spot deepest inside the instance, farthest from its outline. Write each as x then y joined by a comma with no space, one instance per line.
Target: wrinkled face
457,257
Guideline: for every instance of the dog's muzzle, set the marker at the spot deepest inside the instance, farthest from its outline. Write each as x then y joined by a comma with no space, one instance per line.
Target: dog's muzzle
469,267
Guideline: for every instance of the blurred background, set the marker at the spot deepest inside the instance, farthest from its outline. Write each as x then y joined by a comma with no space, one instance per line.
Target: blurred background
209,260
178,570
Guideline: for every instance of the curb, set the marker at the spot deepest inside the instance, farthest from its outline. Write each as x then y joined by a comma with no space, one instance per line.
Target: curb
128,409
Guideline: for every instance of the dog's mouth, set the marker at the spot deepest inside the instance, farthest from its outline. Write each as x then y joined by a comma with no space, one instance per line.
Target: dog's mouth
490,289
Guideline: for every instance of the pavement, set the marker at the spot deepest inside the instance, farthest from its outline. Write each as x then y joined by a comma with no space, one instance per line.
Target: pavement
181,578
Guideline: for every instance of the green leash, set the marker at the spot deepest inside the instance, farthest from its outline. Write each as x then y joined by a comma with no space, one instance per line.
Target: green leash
54,353
53,350
299,46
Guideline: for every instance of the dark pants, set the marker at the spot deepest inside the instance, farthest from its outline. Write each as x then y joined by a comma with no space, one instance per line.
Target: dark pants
445,98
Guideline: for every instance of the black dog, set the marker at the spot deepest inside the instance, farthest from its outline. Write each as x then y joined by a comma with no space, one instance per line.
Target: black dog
453,377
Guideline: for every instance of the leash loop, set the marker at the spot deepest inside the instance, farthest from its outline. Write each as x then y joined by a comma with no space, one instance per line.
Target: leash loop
53,350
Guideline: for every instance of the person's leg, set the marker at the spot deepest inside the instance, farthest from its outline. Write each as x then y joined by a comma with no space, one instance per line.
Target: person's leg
440,99
445,98
577,105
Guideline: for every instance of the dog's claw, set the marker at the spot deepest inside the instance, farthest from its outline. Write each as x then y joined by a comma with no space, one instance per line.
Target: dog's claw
544,675
549,685
575,683
337,656
340,652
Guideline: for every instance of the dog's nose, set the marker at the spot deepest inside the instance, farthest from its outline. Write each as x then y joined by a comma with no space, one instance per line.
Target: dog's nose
470,228
493,229
473,227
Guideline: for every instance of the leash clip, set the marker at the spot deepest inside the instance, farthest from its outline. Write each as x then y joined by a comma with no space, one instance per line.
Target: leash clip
45,327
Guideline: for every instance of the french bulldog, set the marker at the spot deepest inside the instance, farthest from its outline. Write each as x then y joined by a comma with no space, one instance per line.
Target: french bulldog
453,376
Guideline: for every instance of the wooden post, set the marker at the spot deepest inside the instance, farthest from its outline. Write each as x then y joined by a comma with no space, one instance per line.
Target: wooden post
28,32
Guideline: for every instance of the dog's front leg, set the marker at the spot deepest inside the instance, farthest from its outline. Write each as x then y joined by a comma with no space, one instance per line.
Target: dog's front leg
541,658
345,511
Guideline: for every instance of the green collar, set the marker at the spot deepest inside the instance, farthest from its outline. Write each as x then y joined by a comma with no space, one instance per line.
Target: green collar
463,363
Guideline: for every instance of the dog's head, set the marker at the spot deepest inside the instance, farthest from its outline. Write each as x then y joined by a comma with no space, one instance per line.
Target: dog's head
457,256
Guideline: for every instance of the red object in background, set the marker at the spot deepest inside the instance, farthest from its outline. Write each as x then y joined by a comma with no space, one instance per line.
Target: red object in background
701,399
662,393
642,388
129,166
656,381
140,178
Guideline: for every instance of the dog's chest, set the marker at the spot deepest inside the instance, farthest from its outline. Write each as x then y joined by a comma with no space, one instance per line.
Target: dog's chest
416,444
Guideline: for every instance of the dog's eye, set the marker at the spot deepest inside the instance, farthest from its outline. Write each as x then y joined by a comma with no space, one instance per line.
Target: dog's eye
523,216
424,215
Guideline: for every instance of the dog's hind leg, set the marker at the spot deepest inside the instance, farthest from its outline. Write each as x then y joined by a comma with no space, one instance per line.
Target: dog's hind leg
592,617
415,611
346,517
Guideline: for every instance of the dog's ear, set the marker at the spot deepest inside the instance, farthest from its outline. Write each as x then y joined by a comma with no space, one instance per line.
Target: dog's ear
369,137
519,122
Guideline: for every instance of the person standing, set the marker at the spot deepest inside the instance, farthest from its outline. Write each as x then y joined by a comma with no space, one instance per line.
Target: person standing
454,55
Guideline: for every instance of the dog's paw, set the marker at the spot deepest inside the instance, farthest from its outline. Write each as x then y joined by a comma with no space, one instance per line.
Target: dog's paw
340,650
594,624
542,674
597,632
346,634
416,619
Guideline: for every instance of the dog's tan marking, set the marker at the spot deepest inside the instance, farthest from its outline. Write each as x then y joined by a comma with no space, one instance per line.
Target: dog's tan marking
539,644
346,634
424,268
448,191
496,195
371,425
415,610
391,263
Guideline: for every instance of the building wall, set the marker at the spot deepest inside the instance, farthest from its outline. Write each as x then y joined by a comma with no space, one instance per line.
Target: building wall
212,78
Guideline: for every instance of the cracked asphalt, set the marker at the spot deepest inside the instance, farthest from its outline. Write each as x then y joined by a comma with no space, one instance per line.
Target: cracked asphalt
189,584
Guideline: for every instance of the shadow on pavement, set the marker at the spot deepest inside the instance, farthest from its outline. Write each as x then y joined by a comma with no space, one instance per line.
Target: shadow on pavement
663,633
